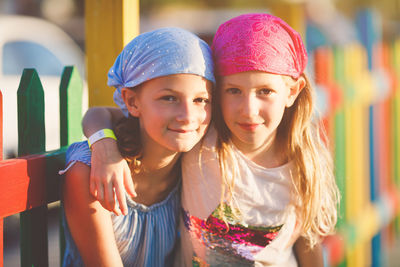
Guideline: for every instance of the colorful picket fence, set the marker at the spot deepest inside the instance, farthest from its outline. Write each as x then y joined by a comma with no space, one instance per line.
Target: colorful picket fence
361,80
31,181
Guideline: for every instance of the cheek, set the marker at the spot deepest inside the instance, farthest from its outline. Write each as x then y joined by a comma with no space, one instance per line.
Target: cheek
150,115
276,110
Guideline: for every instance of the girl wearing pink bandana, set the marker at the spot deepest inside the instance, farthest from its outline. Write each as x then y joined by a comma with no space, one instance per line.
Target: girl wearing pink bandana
261,177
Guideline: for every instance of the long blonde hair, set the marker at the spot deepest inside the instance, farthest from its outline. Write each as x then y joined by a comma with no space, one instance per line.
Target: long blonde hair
315,191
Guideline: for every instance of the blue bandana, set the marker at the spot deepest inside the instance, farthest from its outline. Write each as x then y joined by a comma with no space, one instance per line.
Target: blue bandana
159,53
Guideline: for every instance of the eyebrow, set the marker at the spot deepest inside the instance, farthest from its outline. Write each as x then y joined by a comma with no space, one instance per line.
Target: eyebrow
230,84
177,92
235,85
167,89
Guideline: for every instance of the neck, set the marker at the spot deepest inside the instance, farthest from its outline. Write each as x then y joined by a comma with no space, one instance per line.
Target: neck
155,181
155,156
158,175
152,163
269,155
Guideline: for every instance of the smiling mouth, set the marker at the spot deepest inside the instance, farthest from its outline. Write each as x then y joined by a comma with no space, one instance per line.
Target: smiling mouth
249,126
181,130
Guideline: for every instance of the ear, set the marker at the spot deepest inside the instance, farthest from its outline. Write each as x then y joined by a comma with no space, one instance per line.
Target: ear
130,98
295,90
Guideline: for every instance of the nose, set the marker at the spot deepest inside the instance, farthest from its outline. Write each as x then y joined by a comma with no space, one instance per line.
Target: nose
186,112
249,105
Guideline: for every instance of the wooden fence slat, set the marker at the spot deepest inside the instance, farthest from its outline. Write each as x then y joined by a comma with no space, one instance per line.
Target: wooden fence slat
31,139
339,140
34,247
71,88
22,180
31,134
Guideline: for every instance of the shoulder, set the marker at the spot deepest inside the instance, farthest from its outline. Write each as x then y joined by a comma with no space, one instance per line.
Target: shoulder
78,175
79,151
76,187
77,160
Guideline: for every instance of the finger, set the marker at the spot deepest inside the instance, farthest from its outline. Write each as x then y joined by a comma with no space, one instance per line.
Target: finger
128,183
116,209
100,194
92,187
95,193
121,199
109,200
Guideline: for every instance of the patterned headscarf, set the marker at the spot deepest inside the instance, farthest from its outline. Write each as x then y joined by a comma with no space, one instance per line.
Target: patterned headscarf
159,53
258,42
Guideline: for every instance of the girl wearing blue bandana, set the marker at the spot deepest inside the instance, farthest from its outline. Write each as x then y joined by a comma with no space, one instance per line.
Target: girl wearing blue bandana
164,79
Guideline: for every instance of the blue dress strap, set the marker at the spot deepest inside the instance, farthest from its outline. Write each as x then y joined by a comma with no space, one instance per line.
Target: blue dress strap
78,151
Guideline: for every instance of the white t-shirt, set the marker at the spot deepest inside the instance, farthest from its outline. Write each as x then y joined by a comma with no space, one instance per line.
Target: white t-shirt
263,197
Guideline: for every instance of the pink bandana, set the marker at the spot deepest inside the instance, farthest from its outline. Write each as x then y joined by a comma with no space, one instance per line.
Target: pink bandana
258,42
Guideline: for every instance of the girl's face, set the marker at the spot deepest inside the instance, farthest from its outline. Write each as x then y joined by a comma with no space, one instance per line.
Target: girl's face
174,111
253,104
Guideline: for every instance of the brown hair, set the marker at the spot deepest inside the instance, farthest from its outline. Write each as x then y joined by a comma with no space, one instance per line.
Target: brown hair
127,131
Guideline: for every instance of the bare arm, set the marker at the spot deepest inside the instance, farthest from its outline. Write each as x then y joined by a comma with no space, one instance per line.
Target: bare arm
89,223
307,257
109,172
97,118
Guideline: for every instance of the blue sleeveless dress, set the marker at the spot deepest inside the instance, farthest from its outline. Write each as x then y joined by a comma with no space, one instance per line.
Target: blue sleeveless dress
145,237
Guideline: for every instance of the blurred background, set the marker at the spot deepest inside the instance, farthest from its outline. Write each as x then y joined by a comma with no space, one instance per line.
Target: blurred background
354,50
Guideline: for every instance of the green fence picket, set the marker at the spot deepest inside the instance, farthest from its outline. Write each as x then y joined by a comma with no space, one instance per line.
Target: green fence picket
71,89
31,140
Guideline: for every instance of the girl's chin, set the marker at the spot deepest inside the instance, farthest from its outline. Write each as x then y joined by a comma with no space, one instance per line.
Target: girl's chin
182,147
185,148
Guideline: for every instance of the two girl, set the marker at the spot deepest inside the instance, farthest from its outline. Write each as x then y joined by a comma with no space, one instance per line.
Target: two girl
164,80
261,177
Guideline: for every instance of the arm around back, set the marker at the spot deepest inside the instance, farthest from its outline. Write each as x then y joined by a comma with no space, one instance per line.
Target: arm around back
110,172
97,118
89,223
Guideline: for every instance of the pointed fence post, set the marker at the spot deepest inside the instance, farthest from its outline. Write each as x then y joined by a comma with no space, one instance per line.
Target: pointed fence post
31,140
71,88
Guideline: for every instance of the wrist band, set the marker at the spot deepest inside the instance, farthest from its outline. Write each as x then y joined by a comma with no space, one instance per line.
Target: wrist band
103,133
